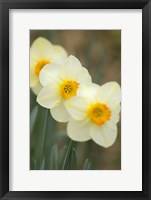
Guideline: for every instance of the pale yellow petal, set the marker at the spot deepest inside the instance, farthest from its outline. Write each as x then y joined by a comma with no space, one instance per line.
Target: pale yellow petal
88,91
78,130
37,88
41,48
72,62
104,135
60,114
34,79
115,114
49,96
110,93
77,107
59,54
71,67
83,76
50,74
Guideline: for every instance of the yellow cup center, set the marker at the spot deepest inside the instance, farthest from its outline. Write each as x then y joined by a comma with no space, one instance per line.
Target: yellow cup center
69,89
40,64
99,113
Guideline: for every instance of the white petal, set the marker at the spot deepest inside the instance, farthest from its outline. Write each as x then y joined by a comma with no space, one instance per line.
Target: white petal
41,48
88,91
72,62
77,107
49,74
115,114
71,67
83,76
37,88
34,79
78,130
49,96
60,114
59,54
110,93
104,135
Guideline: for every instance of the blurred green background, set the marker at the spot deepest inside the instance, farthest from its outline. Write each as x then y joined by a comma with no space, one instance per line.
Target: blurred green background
100,52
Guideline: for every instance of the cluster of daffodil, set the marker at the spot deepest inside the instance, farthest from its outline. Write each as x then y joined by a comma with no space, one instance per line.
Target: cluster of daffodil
65,87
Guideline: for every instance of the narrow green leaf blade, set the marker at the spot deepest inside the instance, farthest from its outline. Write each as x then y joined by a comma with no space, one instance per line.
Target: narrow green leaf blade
87,165
43,137
73,160
54,158
35,164
42,165
67,156
33,118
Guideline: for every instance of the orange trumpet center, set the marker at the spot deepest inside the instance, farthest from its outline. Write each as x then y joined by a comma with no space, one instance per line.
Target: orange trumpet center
99,113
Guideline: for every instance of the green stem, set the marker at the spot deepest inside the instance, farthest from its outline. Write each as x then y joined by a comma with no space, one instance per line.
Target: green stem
44,137
68,155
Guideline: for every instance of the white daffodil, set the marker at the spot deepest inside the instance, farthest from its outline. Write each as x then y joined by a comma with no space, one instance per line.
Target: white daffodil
60,83
95,113
42,52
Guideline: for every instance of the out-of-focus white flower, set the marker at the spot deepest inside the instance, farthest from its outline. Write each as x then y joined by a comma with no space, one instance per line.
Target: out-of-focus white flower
42,52
60,83
95,113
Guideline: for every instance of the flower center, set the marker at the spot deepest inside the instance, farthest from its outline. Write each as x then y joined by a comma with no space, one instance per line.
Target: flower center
69,89
40,64
99,113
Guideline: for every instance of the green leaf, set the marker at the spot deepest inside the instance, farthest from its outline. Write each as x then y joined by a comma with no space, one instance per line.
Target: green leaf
87,165
42,165
73,160
32,101
35,164
37,137
51,158
33,117
44,135
54,158
67,156
62,154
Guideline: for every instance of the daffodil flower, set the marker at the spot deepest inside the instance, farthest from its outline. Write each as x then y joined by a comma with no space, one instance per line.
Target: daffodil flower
42,52
60,83
95,113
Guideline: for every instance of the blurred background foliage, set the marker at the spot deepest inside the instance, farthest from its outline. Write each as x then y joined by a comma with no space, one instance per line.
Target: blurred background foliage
50,148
